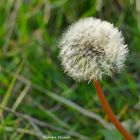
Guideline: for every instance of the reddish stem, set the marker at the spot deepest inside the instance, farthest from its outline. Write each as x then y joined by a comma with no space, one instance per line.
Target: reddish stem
109,112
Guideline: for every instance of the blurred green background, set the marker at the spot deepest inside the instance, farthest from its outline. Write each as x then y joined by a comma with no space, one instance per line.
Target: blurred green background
37,99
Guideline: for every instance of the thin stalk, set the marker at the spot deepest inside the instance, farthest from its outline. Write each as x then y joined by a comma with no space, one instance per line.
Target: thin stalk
109,112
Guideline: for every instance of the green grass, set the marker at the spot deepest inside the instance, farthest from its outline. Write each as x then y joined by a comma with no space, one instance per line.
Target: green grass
36,98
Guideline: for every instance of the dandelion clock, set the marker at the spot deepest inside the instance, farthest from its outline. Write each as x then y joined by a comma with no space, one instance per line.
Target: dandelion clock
90,50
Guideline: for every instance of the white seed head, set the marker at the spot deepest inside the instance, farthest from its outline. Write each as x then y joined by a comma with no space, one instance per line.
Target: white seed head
91,49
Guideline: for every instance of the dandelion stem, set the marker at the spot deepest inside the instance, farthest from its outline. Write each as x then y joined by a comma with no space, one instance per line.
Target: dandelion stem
109,112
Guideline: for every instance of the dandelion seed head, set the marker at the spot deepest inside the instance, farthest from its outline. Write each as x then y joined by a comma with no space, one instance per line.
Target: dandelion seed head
92,49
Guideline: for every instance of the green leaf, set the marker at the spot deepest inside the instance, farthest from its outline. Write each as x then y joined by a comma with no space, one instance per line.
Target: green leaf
111,135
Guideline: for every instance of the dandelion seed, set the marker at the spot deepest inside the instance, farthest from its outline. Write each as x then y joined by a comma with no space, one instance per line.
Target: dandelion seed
92,49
